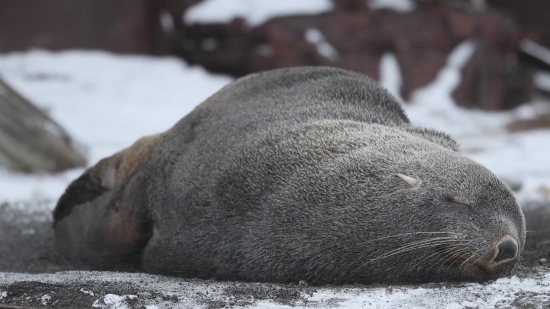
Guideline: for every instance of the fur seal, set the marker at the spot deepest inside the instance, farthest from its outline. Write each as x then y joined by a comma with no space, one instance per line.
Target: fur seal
308,173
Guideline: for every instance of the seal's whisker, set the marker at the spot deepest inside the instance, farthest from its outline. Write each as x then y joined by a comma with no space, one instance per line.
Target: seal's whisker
451,252
517,268
478,259
453,255
413,246
402,249
469,258
442,256
423,258
421,244
413,233
409,247
458,254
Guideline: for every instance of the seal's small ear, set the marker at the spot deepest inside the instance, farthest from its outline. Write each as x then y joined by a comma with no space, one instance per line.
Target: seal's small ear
410,181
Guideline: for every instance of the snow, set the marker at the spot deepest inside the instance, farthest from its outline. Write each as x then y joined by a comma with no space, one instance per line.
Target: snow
255,12
532,292
324,48
44,299
401,6
500,292
112,301
542,81
390,75
535,50
166,21
438,92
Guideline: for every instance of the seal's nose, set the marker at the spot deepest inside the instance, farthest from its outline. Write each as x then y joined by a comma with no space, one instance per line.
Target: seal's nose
507,249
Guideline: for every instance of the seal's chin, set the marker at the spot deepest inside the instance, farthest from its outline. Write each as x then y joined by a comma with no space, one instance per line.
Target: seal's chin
483,272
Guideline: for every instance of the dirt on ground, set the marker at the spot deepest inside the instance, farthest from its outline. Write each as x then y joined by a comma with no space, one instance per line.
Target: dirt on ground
27,247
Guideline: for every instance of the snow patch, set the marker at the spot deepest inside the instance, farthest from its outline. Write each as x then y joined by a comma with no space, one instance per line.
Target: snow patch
467,296
45,299
166,21
324,48
535,50
401,6
3,294
87,292
542,81
390,75
447,79
112,301
255,12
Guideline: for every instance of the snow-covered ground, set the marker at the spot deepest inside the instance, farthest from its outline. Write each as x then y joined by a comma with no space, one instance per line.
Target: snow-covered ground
106,102
181,293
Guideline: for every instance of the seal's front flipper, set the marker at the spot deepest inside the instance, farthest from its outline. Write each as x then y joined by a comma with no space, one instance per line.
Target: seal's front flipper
102,218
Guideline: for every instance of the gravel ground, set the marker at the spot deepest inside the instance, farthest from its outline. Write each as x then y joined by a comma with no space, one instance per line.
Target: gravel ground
33,274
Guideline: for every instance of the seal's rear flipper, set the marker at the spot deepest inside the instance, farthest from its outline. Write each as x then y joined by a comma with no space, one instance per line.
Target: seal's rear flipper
102,218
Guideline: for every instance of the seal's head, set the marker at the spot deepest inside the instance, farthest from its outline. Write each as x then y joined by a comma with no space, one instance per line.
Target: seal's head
472,226
451,218
387,204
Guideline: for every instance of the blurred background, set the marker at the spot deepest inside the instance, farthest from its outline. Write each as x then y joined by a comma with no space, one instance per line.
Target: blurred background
82,79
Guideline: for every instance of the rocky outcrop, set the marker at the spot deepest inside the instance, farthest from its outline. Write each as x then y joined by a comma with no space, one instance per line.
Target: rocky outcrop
30,141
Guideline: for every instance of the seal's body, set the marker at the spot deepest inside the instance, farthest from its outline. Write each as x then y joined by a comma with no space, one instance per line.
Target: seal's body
309,174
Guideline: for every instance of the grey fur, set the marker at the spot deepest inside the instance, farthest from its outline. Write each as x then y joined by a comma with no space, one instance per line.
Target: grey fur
292,175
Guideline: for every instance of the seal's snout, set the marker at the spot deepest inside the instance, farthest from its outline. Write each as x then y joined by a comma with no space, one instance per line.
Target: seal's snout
507,249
